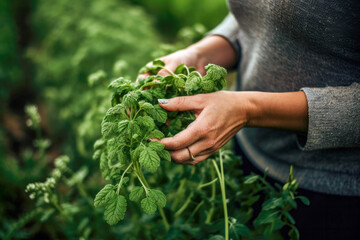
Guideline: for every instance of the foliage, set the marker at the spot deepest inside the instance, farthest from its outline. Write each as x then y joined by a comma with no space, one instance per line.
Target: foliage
74,42
171,16
10,71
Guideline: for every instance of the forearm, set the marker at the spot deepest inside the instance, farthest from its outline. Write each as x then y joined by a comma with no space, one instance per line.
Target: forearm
286,111
214,49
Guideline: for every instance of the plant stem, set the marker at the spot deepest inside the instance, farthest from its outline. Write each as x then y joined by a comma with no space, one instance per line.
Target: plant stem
185,205
179,194
223,193
166,224
122,177
212,199
208,183
195,210
167,69
143,181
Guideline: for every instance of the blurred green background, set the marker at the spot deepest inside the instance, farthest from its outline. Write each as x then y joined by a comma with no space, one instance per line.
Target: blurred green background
60,55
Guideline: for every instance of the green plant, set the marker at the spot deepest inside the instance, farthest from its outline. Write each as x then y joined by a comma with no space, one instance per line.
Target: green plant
125,152
133,119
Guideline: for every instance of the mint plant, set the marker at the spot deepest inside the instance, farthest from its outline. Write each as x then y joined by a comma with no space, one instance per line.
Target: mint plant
134,118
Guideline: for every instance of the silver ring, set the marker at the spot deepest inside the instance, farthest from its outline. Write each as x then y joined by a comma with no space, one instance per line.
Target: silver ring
192,156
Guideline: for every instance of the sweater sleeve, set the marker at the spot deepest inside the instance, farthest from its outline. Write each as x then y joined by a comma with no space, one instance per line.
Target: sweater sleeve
229,29
334,117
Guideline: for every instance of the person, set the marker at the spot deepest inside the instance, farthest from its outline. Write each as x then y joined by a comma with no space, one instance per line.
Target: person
298,103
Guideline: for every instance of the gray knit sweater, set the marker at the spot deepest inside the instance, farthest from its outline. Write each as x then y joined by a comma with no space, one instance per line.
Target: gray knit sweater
313,46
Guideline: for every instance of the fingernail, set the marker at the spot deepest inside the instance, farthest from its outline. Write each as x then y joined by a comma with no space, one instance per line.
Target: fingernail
163,101
149,140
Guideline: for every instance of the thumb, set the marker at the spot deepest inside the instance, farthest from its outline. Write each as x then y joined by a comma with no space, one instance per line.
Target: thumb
182,103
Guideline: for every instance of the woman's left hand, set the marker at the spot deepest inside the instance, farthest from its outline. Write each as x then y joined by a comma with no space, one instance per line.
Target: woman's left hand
219,116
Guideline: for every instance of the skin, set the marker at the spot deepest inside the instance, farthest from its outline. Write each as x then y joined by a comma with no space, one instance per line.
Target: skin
220,115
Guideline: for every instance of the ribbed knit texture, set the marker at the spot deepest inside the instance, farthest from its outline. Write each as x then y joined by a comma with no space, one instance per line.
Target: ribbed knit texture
313,46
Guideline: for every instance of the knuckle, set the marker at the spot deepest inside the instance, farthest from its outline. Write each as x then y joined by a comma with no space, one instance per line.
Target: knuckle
176,157
211,144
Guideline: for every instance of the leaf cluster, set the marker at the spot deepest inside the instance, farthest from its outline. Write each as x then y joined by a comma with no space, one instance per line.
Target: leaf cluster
134,118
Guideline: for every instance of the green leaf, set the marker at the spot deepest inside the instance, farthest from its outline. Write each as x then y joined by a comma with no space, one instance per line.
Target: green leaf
147,95
136,152
164,155
104,167
134,128
120,85
149,160
99,143
115,209
108,129
304,200
152,67
251,179
97,154
155,134
146,123
179,82
182,69
266,217
136,193
208,86
149,206
291,219
96,77
156,146
122,126
158,196
157,92
294,233
193,83
148,107
159,114
117,109
131,99
124,155
239,229
101,198
272,203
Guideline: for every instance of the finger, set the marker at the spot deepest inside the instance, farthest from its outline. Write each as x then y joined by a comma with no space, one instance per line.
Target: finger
184,138
183,155
194,162
142,76
187,103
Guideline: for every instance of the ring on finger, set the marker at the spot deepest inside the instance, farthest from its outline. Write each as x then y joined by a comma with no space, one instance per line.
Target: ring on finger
192,156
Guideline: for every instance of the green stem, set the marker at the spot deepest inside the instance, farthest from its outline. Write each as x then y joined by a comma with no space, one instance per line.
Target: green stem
185,205
195,210
212,199
223,193
165,222
179,194
146,186
122,177
167,69
57,206
208,183
142,183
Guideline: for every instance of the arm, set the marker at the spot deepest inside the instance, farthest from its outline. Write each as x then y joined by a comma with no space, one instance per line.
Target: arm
220,115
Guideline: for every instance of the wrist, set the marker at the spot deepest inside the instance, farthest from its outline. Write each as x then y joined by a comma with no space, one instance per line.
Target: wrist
287,111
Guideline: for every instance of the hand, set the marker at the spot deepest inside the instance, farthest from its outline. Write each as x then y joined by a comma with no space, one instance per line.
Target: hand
188,57
200,54
219,116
